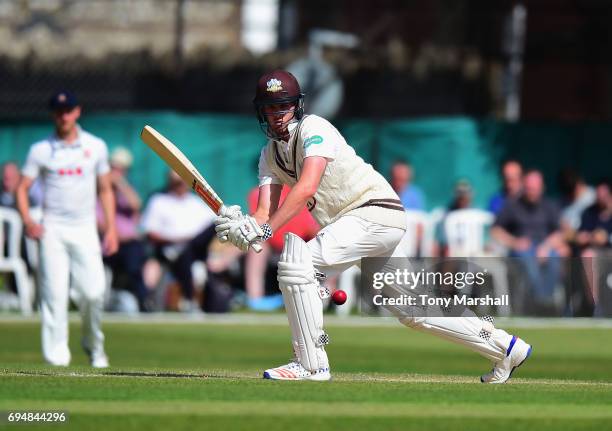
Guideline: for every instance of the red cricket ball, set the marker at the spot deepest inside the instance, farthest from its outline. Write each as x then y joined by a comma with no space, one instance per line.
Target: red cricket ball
339,297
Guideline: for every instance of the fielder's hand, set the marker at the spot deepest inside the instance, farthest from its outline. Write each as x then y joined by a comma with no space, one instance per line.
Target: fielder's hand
227,216
246,233
34,230
110,242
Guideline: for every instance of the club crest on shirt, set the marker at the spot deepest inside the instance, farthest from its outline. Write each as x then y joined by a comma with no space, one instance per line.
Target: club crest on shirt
313,140
274,85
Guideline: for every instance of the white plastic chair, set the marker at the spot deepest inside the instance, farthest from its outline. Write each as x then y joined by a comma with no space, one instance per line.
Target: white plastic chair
10,256
410,245
465,232
31,245
436,216
466,237
415,221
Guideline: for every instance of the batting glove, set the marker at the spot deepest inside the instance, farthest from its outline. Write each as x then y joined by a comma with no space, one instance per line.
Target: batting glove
227,216
245,233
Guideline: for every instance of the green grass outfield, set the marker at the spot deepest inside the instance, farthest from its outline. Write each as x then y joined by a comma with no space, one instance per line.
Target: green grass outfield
173,375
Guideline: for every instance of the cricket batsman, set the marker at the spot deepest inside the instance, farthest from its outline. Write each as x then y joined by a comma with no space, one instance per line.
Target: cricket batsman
360,215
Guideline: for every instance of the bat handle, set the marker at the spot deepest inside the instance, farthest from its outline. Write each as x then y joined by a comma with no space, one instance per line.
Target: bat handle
256,247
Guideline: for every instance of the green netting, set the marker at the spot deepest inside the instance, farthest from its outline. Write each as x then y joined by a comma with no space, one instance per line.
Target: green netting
225,148
442,152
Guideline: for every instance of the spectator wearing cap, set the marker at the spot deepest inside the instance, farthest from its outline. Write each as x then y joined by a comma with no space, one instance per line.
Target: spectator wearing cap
529,227
130,257
463,196
462,199
72,166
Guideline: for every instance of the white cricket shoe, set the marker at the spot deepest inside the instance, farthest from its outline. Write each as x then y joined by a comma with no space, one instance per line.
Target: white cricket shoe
99,360
295,371
64,363
518,351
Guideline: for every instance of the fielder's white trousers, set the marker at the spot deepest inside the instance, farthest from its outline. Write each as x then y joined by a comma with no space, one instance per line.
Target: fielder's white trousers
343,243
70,254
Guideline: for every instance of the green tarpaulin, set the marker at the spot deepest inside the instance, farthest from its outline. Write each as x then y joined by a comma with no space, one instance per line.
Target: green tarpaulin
226,147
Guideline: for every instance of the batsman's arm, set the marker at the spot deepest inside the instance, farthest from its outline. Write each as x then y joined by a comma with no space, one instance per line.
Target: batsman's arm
302,191
267,203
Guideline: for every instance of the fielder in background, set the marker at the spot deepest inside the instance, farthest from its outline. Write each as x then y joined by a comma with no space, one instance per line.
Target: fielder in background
361,216
71,164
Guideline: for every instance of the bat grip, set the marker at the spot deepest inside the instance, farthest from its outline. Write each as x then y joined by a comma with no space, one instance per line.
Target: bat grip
256,247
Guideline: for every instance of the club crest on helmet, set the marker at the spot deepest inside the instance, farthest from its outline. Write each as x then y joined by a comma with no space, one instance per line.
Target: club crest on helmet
274,85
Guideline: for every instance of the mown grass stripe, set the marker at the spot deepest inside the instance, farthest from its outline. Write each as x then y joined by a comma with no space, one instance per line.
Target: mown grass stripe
289,408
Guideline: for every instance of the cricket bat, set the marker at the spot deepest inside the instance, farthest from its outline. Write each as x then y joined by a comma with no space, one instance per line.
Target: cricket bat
175,158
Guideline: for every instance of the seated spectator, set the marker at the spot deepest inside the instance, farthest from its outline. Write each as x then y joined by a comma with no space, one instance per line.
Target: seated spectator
462,199
411,195
10,178
10,181
256,264
130,256
400,176
529,227
463,196
179,225
577,196
594,236
512,177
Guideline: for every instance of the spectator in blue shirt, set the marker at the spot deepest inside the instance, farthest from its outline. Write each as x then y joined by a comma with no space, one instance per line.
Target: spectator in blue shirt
512,177
412,196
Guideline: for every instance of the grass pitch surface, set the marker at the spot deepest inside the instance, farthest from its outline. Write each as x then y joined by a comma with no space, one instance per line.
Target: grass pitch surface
176,376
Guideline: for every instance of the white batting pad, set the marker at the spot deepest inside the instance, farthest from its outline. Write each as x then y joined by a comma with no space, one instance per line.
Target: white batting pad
300,289
474,333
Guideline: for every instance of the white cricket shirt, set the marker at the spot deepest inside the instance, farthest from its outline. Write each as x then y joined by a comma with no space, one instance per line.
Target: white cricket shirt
176,218
68,173
349,185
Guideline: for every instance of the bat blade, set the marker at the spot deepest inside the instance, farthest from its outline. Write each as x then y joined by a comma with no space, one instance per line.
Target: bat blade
176,160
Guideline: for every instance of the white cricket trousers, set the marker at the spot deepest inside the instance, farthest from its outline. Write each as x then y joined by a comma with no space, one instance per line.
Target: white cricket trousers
343,243
70,254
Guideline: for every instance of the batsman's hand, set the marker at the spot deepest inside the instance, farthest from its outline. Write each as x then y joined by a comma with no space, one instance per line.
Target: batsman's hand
246,233
227,216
